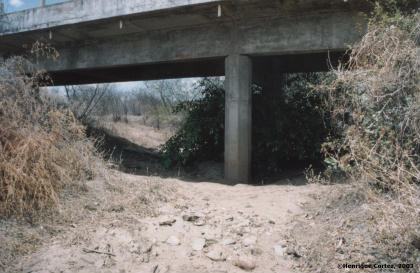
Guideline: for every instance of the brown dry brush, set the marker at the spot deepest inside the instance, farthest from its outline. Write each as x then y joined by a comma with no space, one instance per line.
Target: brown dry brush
375,106
43,148
375,102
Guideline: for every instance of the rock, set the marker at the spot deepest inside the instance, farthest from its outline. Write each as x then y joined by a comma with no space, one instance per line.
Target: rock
211,241
173,241
216,255
116,208
199,222
256,251
198,244
160,269
416,242
249,241
292,251
90,207
169,222
228,241
245,263
271,222
190,218
279,250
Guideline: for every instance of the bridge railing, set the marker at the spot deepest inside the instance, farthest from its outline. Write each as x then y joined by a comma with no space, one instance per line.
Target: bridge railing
7,6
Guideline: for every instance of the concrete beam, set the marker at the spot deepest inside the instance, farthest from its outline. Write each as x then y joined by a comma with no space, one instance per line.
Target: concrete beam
303,35
238,118
82,11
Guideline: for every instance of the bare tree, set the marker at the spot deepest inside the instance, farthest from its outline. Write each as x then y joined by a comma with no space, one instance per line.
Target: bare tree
84,100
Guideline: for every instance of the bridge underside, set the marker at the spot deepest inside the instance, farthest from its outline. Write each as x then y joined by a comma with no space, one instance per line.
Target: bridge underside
210,67
245,40
240,72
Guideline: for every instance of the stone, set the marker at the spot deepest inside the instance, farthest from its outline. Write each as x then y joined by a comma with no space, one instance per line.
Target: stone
228,241
256,251
245,263
90,207
416,242
173,241
199,222
279,250
190,218
116,208
198,244
169,222
292,252
216,255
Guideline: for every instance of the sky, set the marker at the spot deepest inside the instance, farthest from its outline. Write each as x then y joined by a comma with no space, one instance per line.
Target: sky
16,5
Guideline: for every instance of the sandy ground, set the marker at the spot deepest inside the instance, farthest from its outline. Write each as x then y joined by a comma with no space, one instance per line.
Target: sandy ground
132,223
195,227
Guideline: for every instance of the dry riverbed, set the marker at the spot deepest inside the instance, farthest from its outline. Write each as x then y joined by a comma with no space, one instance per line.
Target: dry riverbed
130,223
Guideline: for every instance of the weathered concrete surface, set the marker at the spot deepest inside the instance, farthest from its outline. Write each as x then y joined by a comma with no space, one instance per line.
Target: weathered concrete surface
238,118
94,34
276,37
82,11
103,41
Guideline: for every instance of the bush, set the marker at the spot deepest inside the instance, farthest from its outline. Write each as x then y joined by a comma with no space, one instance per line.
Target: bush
288,127
43,149
201,136
375,110
375,105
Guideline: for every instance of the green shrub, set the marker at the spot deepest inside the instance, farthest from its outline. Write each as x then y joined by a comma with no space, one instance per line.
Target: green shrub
201,136
287,127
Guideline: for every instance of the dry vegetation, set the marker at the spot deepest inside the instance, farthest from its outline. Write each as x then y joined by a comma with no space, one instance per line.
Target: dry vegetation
43,148
137,130
375,102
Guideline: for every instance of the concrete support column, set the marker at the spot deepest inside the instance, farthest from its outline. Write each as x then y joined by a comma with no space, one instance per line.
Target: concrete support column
238,118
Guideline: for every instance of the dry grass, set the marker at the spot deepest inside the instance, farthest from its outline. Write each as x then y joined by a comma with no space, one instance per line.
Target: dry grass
353,227
136,131
375,102
43,149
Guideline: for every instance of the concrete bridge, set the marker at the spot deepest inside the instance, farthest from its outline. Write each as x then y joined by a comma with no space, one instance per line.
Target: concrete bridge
245,40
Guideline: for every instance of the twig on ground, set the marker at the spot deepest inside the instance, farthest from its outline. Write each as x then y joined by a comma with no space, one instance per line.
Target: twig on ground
97,252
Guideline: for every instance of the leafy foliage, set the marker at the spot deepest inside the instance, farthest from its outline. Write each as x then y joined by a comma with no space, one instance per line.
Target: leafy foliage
201,136
287,126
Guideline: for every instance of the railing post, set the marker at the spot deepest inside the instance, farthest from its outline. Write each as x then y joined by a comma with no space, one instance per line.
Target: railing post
42,3
1,7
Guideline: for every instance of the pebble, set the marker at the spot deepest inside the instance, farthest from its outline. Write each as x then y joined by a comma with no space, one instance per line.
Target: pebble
228,241
173,241
216,255
167,222
190,218
198,244
245,263
279,250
